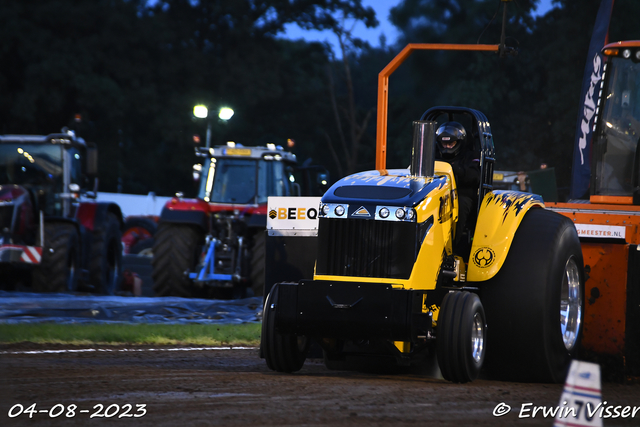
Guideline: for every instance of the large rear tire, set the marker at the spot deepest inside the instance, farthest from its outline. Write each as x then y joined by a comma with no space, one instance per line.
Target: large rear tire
461,337
175,252
534,305
258,253
105,265
282,352
58,269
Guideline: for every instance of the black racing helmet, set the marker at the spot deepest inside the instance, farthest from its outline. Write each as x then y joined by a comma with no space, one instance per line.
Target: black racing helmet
450,138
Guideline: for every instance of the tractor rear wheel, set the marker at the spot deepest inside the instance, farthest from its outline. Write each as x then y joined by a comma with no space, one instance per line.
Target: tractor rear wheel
258,253
59,266
105,264
461,334
534,304
175,253
282,352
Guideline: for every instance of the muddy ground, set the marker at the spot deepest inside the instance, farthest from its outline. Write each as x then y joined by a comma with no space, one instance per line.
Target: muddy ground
233,387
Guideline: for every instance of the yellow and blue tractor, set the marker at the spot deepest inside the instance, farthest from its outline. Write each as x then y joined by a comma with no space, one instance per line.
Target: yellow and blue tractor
388,284
387,281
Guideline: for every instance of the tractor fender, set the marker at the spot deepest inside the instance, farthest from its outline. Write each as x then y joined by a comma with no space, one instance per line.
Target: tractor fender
500,216
186,211
91,215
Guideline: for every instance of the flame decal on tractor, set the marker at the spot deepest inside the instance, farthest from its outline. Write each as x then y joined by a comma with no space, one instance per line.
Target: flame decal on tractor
512,202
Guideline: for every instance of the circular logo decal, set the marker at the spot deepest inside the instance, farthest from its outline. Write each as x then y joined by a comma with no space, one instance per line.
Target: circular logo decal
273,214
484,257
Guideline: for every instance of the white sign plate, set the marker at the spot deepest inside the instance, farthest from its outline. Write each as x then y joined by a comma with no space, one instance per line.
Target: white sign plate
601,231
293,213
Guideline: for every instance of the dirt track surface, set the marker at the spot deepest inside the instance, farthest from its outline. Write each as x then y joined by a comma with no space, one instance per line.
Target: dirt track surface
233,387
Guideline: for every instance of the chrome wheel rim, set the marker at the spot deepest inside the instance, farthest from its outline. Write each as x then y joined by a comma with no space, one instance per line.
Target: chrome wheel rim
570,305
477,338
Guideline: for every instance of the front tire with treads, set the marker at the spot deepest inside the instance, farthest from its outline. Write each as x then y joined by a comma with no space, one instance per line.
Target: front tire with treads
282,352
461,337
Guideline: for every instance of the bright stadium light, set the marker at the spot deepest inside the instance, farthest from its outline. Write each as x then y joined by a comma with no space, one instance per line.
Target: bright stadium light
200,111
225,113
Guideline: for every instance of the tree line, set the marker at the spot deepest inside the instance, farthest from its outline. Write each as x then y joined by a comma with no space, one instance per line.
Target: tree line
126,74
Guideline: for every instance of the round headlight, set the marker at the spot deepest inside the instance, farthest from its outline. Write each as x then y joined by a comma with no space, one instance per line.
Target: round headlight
411,214
638,54
384,213
626,53
339,210
325,209
400,213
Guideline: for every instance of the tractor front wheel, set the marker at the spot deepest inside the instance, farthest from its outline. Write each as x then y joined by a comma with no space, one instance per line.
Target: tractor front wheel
461,337
282,352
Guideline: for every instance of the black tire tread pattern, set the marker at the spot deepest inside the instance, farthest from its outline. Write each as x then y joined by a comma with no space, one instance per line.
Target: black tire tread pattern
174,253
105,262
281,351
258,256
453,346
522,301
61,243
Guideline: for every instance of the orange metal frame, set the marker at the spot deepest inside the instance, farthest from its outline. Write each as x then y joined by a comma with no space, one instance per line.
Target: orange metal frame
607,266
627,216
383,87
612,200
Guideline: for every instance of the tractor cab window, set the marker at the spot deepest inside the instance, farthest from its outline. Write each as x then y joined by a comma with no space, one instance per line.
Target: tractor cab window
77,164
242,181
273,180
229,181
36,167
616,159
31,165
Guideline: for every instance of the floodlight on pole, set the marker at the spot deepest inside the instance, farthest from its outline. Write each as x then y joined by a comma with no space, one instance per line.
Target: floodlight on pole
225,113
200,111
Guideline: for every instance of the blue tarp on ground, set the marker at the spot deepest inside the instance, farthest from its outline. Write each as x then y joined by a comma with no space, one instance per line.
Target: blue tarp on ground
26,307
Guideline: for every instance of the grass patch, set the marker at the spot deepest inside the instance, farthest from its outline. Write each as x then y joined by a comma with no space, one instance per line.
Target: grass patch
247,334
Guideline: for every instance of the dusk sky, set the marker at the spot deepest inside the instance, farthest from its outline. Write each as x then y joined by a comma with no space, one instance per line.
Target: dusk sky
372,35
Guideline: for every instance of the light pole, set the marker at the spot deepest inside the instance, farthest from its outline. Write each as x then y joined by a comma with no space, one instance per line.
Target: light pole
202,112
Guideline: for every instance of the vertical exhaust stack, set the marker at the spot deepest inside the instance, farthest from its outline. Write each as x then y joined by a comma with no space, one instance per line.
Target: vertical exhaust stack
423,150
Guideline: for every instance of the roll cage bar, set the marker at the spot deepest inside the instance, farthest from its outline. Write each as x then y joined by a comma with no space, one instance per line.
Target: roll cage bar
480,136
481,131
